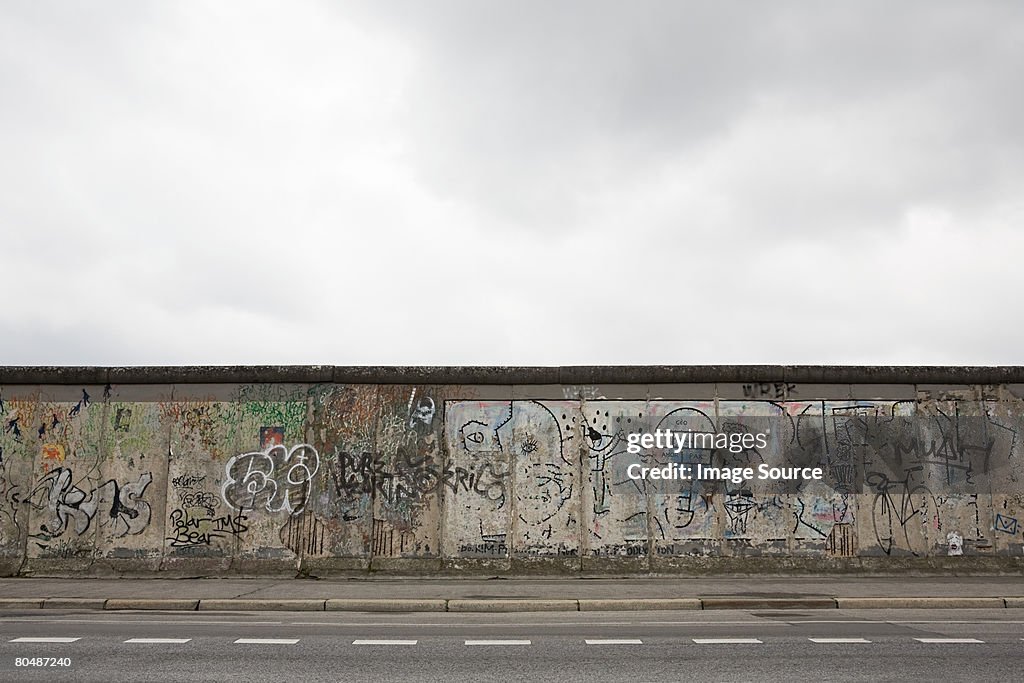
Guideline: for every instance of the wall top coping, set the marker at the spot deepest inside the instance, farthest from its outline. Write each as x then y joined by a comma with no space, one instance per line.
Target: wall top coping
506,375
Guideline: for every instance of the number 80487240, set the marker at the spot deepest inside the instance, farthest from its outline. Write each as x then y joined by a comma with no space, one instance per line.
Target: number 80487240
42,661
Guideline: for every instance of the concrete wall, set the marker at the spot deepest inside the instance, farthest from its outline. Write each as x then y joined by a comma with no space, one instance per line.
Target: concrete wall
319,470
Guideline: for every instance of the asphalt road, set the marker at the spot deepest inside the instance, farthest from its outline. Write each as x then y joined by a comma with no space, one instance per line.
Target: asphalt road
562,646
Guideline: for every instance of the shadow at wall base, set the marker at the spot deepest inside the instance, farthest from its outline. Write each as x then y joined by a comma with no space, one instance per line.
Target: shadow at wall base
519,568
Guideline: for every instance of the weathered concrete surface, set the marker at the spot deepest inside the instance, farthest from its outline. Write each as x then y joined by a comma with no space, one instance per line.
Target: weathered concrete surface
74,603
412,594
513,605
386,605
151,603
418,588
946,602
259,605
772,603
621,605
322,470
21,603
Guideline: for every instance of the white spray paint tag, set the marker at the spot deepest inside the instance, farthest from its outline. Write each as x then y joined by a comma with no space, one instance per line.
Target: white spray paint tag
955,542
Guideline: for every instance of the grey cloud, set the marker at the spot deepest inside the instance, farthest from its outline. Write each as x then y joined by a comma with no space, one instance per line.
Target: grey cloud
530,108
541,183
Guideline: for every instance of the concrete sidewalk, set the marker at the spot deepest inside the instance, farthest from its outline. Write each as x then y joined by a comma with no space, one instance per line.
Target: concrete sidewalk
416,594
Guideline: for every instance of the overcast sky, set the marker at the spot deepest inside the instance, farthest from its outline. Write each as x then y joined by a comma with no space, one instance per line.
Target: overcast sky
526,183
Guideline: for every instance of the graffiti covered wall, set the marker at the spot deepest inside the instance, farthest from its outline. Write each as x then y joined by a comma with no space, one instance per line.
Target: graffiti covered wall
320,476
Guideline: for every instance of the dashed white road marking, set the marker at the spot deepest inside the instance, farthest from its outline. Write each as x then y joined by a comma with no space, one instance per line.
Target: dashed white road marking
498,642
155,641
472,624
384,642
839,640
727,641
614,641
43,640
197,621
941,641
266,641
708,622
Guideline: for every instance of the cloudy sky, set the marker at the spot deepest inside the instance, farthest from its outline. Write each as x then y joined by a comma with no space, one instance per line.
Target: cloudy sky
535,183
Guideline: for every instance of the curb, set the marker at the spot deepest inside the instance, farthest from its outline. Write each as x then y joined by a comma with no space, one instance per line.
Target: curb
509,604
119,603
513,605
257,605
639,604
74,603
21,603
768,603
367,605
920,603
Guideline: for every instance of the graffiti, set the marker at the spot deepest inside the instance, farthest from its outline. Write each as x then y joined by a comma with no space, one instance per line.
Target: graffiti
354,475
1006,525
490,544
52,451
412,479
584,392
9,497
955,543
897,508
842,540
202,422
303,535
898,438
275,479
621,549
423,413
189,530
546,474
126,512
550,488
122,509
44,427
391,542
13,428
738,505
802,523
66,503
269,404
202,418
451,472
81,405
681,509
188,481
678,512
472,435
768,390
817,516
199,499
529,432
123,420
271,436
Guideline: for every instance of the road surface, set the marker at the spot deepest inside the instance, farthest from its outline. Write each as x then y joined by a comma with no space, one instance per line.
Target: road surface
852,645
